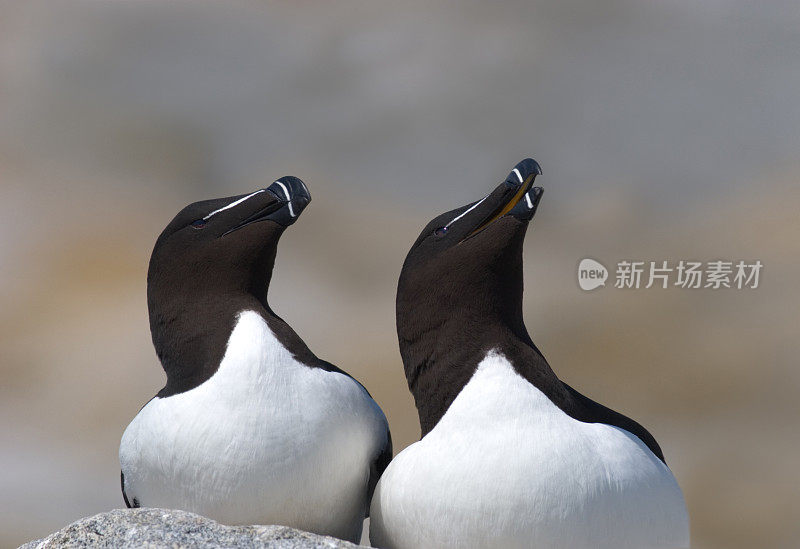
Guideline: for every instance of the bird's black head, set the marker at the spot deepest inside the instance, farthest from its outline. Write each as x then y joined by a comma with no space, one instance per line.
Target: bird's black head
468,261
225,244
462,282
213,260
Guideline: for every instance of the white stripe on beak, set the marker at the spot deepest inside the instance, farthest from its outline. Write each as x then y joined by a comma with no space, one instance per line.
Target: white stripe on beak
288,197
456,218
519,175
528,200
232,204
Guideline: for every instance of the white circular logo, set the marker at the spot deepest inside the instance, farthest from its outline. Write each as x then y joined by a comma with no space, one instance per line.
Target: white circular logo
591,274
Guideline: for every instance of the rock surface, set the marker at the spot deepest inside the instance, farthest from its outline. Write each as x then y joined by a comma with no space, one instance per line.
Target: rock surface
156,528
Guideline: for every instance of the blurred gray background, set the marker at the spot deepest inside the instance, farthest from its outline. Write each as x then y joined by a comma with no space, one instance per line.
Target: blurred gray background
666,130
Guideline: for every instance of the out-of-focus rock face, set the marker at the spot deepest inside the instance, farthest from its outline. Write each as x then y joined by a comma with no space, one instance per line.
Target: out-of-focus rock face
134,528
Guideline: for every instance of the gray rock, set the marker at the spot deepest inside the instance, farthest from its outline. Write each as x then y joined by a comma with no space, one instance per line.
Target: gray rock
156,528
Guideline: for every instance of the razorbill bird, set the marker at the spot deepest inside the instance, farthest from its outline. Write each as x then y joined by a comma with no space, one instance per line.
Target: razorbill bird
510,456
251,427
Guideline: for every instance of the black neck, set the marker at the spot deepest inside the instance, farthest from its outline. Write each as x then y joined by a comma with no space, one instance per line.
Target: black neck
440,363
193,312
446,332
191,328
190,336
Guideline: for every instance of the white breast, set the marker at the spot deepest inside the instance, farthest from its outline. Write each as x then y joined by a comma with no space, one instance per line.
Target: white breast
266,440
505,467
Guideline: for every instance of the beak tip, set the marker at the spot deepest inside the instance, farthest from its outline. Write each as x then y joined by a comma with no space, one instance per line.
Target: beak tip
523,170
295,188
530,166
294,194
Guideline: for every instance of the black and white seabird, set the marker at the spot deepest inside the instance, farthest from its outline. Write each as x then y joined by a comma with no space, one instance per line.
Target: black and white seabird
251,427
510,456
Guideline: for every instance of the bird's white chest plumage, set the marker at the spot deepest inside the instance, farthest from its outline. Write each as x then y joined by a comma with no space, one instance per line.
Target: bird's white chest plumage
505,467
265,440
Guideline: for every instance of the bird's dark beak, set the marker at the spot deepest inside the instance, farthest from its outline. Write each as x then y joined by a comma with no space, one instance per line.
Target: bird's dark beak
285,200
514,196
520,180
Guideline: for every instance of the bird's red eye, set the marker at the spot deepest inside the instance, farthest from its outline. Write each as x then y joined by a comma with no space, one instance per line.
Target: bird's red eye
441,231
199,224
